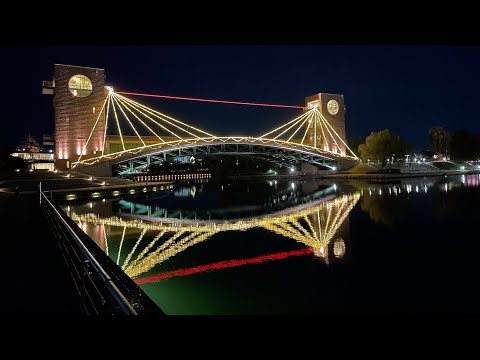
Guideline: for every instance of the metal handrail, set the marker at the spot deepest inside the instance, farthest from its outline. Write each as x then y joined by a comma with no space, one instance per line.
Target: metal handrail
112,289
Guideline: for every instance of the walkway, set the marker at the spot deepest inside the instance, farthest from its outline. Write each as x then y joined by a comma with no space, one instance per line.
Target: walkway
35,278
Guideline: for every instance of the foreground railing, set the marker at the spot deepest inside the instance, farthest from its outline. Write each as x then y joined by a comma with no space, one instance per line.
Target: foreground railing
103,288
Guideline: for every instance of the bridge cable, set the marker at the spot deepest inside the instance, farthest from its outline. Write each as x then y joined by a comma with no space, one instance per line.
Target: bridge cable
91,132
156,122
118,125
124,114
211,100
164,117
106,125
136,116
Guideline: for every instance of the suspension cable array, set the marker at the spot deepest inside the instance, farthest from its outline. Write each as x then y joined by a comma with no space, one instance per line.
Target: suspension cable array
144,127
315,227
316,131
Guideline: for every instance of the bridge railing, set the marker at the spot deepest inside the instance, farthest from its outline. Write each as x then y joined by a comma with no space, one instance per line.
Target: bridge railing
103,289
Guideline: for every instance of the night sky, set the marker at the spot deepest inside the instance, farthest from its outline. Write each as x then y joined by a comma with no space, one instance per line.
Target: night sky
404,88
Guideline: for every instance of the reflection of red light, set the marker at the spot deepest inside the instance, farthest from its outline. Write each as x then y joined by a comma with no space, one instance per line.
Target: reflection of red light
223,265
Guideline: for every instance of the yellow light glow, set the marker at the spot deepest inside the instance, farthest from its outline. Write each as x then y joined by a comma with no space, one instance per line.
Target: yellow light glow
91,132
160,116
124,114
325,120
106,124
135,115
327,217
163,116
118,125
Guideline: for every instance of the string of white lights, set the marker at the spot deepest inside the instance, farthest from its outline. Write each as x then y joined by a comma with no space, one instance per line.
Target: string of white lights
187,242
284,125
124,114
127,260
156,122
291,126
105,239
118,124
91,132
147,248
121,243
106,124
162,117
301,228
294,233
325,120
306,130
299,127
334,229
136,116
165,245
323,132
307,220
165,116
329,212
333,138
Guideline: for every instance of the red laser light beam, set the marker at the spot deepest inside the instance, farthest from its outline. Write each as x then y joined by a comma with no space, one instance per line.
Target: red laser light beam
210,100
223,265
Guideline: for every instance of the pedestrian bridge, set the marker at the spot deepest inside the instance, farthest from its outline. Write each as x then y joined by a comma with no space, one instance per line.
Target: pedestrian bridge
308,138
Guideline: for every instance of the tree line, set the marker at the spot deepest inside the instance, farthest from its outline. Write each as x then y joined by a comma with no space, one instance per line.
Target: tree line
383,145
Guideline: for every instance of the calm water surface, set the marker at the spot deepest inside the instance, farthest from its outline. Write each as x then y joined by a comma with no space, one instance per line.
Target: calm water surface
297,247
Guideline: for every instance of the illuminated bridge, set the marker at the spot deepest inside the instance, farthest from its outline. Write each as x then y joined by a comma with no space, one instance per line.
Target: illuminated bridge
315,225
103,132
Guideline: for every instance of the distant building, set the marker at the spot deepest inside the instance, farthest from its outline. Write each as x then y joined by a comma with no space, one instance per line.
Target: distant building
42,160
48,143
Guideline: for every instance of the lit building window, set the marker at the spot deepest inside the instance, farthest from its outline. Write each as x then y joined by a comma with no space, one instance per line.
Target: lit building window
80,85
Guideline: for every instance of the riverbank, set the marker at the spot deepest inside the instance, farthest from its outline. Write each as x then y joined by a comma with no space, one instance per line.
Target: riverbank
71,185
411,174
347,175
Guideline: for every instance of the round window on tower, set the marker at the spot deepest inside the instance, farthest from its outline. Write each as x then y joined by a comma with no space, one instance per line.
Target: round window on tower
332,107
80,85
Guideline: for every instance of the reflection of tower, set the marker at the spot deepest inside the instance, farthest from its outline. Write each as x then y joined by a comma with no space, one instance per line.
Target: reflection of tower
331,108
323,228
331,226
79,95
338,249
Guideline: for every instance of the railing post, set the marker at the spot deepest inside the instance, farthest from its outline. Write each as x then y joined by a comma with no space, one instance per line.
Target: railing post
40,192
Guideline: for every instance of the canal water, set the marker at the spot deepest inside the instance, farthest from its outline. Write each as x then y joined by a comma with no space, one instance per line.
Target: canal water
407,246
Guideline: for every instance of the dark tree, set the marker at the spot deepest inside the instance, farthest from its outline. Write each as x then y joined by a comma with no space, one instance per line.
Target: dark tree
381,146
359,140
462,145
439,140
386,209
29,144
476,145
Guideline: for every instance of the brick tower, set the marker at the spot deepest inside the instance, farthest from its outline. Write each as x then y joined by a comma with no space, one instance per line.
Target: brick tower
78,96
332,107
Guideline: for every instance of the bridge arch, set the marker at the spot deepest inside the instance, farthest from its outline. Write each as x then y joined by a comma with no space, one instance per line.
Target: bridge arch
280,151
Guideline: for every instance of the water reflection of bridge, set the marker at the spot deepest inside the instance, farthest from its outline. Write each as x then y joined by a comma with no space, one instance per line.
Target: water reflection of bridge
281,201
314,224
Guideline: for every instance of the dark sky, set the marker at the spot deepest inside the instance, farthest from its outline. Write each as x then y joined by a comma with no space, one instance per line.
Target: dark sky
404,88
